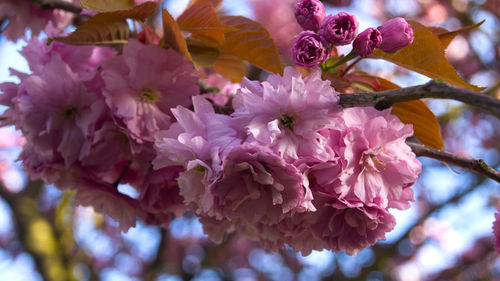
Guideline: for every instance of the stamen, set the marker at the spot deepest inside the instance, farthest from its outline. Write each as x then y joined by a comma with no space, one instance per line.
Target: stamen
287,121
149,95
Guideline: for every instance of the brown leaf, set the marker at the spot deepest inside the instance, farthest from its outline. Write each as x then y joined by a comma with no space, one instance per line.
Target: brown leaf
231,67
426,56
447,36
251,42
173,35
101,29
215,3
202,22
203,55
139,12
108,28
107,5
425,124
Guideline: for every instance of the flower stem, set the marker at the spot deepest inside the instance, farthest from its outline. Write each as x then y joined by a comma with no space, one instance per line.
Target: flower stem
351,66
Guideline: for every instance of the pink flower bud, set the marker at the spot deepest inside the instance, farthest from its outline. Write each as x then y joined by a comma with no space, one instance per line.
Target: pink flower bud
308,49
367,41
396,34
339,29
309,14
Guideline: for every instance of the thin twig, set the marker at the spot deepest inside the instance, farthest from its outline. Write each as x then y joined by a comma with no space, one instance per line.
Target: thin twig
351,66
59,4
475,165
122,174
433,89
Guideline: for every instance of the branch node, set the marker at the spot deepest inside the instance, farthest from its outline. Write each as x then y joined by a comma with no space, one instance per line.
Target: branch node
383,104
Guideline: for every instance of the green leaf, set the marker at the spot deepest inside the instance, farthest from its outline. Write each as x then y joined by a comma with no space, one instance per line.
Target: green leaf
251,42
426,56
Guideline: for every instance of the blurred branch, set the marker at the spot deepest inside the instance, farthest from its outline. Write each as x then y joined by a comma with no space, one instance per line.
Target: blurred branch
475,165
155,268
36,234
387,253
432,89
59,4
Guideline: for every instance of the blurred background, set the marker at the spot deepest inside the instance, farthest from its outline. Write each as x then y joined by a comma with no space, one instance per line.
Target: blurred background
445,235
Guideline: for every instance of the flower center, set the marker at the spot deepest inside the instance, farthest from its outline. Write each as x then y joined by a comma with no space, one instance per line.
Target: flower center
69,112
370,161
149,95
287,121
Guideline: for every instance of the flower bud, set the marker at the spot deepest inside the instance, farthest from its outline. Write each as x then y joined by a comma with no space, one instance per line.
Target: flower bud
339,29
308,49
309,14
396,34
367,41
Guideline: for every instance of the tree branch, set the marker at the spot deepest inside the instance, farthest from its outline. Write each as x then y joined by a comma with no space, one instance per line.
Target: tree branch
58,4
432,89
475,165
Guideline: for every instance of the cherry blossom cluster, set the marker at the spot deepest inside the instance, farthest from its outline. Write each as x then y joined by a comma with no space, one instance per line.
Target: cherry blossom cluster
312,46
288,165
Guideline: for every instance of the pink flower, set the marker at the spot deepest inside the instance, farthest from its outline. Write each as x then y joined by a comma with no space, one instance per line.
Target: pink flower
308,50
105,199
367,41
259,186
200,135
286,112
496,231
379,166
160,194
396,34
24,14
309,14
279,19
338,226
197,141
56,114
143,84
224,89
9,91
339,29
83,60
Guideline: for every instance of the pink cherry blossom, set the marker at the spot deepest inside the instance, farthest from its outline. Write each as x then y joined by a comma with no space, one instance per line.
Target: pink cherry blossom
259,186
143,84
105,199
197,141
56,113
338,225
159,195
379,166
286,112
496,231
24,14
82,60
226,89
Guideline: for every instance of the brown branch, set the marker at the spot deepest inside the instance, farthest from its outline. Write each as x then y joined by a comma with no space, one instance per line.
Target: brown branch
60,5
433,89
475,165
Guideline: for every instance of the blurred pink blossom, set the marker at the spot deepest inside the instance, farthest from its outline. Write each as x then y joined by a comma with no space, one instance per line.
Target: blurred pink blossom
24,14
143,84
